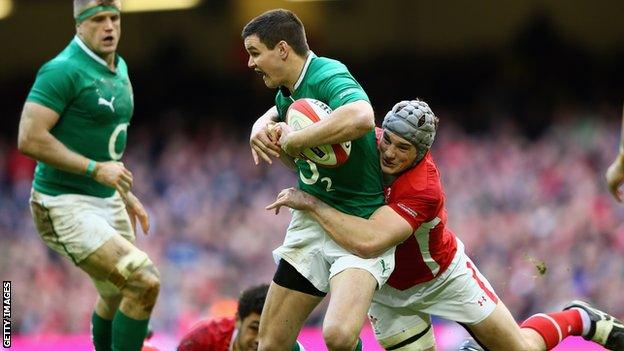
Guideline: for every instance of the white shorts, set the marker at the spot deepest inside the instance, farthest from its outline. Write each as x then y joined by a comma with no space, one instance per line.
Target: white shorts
460,294
318,258
77,225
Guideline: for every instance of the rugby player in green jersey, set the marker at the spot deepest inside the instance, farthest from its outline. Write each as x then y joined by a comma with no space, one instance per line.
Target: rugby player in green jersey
74,124
309,263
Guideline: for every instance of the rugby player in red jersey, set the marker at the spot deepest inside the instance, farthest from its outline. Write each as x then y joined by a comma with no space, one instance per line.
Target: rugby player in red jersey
238,333
433,275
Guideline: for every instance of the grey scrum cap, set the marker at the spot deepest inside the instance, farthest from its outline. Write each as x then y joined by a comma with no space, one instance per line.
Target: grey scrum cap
413,121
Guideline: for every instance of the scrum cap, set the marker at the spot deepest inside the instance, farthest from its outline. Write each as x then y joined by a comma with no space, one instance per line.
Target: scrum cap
415,122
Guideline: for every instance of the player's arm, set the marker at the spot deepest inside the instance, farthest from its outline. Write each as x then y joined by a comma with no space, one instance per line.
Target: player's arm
364,237
615,172
35,140
348,122
262,147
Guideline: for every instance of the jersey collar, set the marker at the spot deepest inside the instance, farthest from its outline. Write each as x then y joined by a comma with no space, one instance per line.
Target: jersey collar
88,51
233,339
311,55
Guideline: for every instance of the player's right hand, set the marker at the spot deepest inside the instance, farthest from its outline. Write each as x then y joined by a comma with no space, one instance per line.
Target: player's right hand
615,177
113,174
263,142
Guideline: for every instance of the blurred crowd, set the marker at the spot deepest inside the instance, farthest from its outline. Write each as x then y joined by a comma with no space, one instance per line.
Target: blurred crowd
534,214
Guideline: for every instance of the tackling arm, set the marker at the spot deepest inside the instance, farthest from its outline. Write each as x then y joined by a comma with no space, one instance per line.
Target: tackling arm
364,237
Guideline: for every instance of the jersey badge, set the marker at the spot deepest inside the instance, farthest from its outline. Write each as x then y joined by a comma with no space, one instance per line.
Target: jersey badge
102,101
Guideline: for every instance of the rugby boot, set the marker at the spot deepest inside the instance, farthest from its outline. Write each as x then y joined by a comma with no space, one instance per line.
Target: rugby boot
604,329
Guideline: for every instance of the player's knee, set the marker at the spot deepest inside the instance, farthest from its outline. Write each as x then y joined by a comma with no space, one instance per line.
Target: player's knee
340,337
146,285
137,278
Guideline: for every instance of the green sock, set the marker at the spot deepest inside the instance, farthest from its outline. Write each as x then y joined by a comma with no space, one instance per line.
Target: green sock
297,346
358,347
128,333
101,332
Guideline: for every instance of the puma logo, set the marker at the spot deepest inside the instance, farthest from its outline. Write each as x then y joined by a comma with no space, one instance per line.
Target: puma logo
102,101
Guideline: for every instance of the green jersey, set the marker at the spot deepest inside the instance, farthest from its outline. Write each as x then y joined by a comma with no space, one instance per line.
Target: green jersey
95,105
356,186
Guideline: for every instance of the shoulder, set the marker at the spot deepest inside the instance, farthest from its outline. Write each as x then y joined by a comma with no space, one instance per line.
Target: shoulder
63,65
122,66
423,182
207,332
322,68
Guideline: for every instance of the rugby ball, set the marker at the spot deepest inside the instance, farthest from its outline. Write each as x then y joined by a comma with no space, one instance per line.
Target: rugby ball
304,112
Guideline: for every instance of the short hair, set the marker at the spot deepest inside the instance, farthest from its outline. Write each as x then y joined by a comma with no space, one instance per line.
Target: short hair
275,25
79,5
252,301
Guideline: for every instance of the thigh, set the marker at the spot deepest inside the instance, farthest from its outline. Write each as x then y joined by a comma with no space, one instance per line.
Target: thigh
303,249
401,328
499,331
72,225
114,261
283,315
351,295
461,294
340,259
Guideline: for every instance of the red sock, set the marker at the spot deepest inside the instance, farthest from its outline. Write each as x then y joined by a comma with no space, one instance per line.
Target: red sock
554,327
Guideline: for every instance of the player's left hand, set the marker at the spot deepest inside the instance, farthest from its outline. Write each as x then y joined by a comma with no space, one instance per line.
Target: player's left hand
135,210
615,177
293,198
286,142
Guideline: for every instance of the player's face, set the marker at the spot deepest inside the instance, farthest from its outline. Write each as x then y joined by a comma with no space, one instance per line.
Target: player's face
101,32
247,338
396,153
266,62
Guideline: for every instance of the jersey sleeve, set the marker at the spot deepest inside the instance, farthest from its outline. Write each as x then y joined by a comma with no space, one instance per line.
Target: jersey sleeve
53,87
341,89
416,209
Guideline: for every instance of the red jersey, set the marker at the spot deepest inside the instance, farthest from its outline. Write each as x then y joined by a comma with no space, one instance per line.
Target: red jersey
209,334
417,196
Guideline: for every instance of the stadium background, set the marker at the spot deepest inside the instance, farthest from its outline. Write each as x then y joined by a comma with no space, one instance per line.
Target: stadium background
529,95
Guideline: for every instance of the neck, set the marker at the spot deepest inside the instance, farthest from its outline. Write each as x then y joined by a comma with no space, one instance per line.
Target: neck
295,70
110,60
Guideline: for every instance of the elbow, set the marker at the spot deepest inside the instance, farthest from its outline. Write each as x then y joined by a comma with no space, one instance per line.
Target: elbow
24,144
366,250
365,120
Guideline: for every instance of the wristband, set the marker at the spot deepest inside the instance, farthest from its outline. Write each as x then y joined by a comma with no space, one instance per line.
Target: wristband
90,168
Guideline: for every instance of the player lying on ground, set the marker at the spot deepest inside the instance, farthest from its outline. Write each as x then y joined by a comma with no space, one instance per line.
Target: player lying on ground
433,274
238,333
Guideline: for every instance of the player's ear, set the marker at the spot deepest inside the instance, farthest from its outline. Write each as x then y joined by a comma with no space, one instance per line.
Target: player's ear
283,48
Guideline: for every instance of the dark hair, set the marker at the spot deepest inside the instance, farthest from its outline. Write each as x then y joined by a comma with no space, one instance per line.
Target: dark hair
276,25
252,300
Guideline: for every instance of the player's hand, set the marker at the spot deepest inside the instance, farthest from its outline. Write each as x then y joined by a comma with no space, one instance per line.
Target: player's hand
293,198
113,174
286,142
263,142
135,210
615,177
